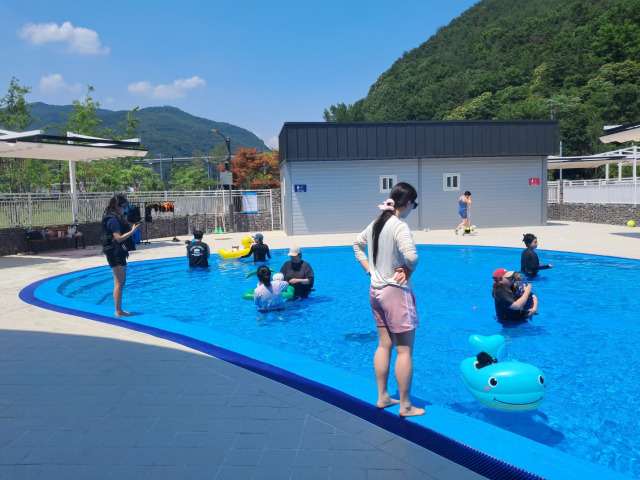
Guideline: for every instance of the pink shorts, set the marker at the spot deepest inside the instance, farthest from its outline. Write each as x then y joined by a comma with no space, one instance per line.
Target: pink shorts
394,307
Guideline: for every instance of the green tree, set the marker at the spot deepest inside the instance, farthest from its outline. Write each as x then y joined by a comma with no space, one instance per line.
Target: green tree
193,176
14,110
18,174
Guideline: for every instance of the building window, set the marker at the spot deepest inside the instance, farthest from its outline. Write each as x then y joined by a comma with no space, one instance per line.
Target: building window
387,182
451,181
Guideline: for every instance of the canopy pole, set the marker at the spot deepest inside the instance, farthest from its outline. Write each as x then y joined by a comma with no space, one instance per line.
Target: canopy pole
635,177
74,191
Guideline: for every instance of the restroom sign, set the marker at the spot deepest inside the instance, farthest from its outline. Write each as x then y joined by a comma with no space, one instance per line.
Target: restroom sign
534,181
299,188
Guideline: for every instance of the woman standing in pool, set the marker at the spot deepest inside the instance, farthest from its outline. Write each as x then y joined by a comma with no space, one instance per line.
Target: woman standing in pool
116,242
464,203
393,259
529,263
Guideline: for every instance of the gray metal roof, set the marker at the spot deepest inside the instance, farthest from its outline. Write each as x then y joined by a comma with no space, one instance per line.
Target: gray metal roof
434,139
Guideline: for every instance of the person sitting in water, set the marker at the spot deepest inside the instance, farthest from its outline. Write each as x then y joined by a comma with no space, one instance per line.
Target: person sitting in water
529,263
298,273
259,250
510,307
198,251
268,294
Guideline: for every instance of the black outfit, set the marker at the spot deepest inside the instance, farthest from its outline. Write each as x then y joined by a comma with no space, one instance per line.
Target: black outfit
116,252
300,270
529,263
198,253
260,252
503,300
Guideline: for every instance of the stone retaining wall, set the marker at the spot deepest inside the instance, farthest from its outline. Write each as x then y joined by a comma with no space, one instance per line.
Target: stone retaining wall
609,213
14,240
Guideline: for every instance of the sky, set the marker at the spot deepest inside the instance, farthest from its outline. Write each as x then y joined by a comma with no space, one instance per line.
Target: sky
254,64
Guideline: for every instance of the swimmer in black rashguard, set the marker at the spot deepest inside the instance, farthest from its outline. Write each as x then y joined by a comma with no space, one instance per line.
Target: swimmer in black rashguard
259,250
529,262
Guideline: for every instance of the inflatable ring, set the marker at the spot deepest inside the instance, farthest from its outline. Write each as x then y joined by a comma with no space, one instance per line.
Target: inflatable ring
501,382
287,294
256,271
228,255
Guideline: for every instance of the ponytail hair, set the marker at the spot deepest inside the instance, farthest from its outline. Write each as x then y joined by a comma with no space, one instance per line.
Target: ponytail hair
264,275
400,195
112,206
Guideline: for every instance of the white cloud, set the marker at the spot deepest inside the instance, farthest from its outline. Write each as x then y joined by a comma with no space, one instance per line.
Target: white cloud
80,40
177,89
272,142
55,83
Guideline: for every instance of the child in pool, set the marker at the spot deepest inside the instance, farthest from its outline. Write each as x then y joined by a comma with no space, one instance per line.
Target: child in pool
521,283
268,295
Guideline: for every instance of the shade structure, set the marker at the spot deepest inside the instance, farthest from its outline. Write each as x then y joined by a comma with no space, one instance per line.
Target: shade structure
622,134
72,148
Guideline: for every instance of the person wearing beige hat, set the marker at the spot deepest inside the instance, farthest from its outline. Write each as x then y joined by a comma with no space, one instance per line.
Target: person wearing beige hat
298,273
510,307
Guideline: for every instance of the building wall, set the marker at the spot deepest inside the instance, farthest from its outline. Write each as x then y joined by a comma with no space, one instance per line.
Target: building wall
499,187
341,197
341,163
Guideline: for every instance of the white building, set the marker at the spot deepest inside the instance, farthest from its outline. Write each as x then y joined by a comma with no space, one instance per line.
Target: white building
334,175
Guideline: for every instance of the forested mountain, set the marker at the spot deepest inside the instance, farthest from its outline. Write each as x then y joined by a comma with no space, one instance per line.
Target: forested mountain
577,61
164,130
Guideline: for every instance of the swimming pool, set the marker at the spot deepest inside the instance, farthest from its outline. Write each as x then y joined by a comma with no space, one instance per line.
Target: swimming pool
584,338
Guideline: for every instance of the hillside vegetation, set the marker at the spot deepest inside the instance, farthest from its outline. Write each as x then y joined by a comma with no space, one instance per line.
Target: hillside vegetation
166,131
575,61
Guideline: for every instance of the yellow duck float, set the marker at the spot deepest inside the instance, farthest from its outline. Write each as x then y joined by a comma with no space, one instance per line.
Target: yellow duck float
229,255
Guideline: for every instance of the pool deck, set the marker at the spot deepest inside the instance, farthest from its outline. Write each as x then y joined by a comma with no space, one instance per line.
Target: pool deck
83,399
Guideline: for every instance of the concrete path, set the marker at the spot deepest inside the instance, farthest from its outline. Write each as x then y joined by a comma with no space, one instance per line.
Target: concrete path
86,400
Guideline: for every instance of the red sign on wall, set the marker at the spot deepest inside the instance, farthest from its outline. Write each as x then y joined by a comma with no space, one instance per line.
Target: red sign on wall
534,181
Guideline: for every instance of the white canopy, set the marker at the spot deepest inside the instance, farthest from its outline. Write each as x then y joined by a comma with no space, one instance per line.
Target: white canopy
623,156
621,133
35,144
72,148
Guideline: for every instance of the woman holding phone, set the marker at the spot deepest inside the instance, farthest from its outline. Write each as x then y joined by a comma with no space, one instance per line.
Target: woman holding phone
116,242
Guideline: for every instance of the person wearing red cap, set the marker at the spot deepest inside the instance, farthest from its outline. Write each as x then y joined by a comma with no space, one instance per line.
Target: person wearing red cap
510,308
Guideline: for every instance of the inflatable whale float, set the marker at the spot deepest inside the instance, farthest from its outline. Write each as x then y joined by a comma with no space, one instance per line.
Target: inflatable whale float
497,381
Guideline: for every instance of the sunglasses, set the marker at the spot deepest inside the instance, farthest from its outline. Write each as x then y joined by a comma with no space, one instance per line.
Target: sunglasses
415,205
123,206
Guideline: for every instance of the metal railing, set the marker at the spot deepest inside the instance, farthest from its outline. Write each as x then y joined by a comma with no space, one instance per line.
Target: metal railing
37,209
553,192
604,191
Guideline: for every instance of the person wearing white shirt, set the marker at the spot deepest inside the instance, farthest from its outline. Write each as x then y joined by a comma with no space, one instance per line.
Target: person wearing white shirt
268,294
387,252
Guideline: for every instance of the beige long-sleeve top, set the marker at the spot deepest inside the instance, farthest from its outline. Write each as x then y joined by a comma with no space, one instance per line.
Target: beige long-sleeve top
395,249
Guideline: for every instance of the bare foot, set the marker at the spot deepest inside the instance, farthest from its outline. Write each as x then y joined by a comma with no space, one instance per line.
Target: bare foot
411,412
123,314
390,402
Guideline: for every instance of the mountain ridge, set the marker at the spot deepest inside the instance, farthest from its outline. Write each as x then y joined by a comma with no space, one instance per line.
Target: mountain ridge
166,130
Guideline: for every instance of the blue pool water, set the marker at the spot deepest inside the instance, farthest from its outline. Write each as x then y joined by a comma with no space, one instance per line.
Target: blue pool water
585,339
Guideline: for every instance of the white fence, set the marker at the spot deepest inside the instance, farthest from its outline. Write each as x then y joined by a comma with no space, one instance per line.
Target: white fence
625,191
34,209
